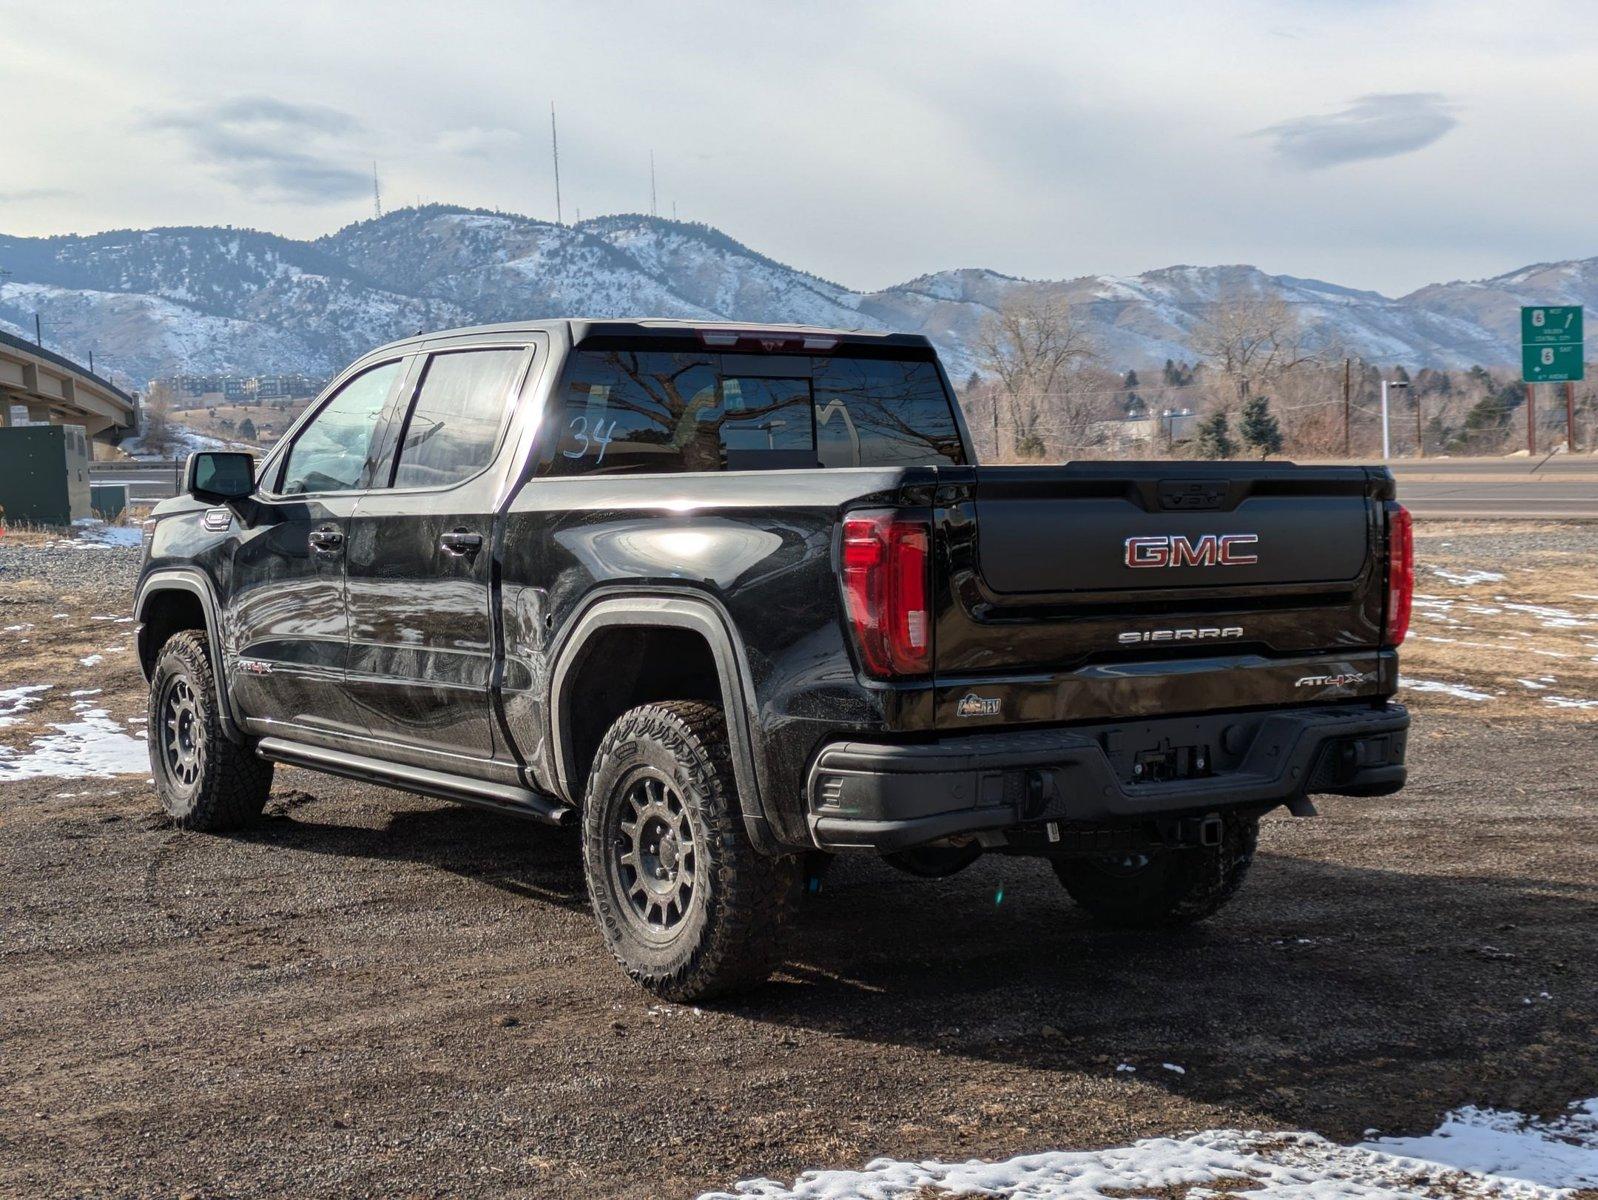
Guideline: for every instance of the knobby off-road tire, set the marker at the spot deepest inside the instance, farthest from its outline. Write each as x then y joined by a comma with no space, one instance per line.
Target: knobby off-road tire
1167,888
205,781
687,905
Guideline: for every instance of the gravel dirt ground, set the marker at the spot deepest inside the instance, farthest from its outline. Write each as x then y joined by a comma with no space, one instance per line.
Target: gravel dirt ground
371,994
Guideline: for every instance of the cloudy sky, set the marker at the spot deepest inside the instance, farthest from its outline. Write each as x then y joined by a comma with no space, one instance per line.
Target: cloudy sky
1381,145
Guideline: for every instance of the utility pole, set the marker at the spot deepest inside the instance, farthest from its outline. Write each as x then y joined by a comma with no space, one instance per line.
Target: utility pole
38,331
653,210
1394,385
1531,420
554,145
1347,409
1570,416
1420,438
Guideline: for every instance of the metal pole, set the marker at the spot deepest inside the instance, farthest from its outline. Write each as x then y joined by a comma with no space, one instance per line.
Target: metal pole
554,146
1420,438
1347,410
38,331
1386,442
1570,416
1531,420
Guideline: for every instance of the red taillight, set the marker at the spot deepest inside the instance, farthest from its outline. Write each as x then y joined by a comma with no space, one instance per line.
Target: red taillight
885,592
1400,572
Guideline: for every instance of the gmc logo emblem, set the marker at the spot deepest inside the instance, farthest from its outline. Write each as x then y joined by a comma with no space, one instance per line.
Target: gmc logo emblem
1174,550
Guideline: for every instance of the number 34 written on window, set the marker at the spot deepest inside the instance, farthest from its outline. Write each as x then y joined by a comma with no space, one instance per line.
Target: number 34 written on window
592,440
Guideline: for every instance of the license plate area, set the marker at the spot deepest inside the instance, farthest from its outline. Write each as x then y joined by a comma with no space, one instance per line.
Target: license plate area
1168,763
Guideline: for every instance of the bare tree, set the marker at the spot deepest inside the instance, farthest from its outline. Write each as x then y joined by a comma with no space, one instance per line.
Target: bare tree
1033,344
1250,339
158,433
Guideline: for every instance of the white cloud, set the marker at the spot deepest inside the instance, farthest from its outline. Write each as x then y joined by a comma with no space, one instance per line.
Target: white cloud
868,143
1378,126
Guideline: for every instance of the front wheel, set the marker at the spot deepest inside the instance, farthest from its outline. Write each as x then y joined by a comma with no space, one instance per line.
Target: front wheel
1163,888
205,782
686,904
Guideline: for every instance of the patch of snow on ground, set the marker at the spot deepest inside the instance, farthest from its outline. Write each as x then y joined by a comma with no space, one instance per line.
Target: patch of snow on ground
1562,1153
95,534
15,702
1569,702
93,745
1474,1153
1447,689
1465,578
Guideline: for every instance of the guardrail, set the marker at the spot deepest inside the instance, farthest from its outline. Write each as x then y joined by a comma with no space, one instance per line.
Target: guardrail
145,479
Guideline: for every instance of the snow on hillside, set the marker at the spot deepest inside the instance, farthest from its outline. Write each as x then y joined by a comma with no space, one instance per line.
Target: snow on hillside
721,276
136,336
153,302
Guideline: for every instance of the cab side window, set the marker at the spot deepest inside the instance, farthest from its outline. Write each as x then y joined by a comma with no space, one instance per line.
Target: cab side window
454,424
330,453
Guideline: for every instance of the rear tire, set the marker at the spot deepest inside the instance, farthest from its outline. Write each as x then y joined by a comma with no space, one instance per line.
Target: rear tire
687,905
205,781
1166,888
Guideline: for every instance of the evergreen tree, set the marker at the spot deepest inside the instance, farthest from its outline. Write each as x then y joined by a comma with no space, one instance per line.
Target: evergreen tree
1214,437
1131,379
1170,375
1259,426
247,429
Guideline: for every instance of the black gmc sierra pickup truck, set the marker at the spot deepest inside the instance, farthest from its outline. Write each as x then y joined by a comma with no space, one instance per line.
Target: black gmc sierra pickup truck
735,598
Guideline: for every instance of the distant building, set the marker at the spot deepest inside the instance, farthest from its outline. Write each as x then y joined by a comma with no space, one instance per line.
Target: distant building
284,386
235,389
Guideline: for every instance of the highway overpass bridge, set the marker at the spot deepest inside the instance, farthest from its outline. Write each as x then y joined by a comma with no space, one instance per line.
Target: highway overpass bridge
54,390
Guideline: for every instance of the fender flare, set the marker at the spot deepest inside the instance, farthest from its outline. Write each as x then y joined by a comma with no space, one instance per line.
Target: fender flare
196,583
701,615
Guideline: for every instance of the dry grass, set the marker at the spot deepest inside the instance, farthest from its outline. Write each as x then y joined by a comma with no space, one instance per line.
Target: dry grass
1510,640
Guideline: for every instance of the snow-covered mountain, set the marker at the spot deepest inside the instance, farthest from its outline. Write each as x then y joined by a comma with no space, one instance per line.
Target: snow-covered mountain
159,301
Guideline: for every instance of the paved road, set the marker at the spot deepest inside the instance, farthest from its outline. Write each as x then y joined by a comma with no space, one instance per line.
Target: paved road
1501,488
147,481
1481,488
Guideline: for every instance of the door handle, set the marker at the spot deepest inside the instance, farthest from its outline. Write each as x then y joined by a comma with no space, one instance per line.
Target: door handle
326,539
460,542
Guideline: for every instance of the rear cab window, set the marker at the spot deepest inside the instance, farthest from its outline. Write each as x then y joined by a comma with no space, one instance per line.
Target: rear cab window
652,410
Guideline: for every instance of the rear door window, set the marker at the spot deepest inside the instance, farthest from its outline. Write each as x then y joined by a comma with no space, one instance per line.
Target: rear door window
453,426
662,411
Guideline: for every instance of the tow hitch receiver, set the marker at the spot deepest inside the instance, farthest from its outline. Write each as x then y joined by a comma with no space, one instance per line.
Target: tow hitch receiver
1195,832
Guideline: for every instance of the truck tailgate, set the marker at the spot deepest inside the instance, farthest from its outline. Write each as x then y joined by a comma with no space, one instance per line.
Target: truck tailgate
1118,589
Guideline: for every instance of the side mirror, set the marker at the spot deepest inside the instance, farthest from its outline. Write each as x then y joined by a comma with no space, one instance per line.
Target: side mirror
219,476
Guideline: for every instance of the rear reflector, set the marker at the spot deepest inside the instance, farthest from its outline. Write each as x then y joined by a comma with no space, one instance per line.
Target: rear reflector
885,592
1400,572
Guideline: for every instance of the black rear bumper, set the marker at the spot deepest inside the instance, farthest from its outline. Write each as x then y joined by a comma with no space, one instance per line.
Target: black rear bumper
888,796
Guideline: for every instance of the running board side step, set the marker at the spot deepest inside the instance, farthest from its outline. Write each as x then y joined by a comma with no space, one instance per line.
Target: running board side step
501,797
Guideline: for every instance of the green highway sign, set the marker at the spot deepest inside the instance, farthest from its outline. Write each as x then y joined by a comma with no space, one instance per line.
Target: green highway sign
1542,325
1551,364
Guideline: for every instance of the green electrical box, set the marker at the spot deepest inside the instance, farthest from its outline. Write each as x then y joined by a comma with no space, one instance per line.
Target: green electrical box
44,474
108,500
